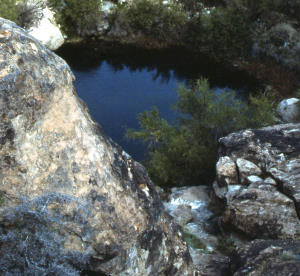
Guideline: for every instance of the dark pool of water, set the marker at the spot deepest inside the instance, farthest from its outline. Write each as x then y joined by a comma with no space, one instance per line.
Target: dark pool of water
118,83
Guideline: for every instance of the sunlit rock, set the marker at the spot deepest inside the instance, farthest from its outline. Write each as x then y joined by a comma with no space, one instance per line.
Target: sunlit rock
44,28
70,198
288,110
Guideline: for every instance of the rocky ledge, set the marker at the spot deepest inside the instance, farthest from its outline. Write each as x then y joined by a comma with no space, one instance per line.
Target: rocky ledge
70,199
258,178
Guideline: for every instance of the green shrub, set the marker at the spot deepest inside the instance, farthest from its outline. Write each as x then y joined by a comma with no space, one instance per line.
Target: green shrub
154,19
227,33
8,10
75,16
185,153
21,12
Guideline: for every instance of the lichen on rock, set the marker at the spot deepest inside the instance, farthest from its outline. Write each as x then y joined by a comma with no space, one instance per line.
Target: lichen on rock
263,200
84,198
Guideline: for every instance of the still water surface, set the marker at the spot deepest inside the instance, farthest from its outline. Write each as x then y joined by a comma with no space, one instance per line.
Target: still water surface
118,84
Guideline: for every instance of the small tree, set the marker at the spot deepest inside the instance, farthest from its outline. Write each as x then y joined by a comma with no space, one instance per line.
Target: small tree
185,153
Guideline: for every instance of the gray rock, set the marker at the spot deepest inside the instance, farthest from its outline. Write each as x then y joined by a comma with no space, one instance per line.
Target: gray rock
246,168
269,206
210,264
70,198
288,110
262,212
271,257
182,214
254,178
190,208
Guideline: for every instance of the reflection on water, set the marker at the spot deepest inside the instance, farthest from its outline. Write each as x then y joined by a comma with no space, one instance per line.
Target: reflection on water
117,84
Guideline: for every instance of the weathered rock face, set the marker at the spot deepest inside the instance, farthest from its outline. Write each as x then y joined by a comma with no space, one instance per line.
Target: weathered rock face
258,177
70,199
271,257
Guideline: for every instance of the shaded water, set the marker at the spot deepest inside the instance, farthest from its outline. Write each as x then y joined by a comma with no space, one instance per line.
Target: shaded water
117,83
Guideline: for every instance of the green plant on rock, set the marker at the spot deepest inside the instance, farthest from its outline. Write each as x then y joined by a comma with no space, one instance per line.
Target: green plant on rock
75,16
185,153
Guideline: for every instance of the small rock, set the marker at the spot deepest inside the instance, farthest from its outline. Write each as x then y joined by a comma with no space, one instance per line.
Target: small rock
246,168
254,178
288,110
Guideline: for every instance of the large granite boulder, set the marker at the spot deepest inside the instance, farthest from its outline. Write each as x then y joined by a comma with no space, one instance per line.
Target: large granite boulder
258,178
267,257
70,198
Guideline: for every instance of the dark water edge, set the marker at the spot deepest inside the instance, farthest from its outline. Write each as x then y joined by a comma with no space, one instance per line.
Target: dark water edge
185,64
119,81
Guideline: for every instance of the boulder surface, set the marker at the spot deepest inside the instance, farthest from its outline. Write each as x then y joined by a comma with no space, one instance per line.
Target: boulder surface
262,190
267,257
71,200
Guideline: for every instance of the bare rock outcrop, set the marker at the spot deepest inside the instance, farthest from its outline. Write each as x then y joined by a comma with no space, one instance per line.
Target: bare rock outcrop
70,198
258,178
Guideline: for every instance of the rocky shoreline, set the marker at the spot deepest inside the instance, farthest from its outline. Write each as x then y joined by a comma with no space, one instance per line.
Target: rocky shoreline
63,180
275,46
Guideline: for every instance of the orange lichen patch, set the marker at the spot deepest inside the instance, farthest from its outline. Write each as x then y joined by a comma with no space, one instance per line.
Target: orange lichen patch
4,34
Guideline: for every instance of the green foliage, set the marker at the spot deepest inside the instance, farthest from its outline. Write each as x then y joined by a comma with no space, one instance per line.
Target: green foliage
227,33
8,10
153,18
21,12
185,153
76,16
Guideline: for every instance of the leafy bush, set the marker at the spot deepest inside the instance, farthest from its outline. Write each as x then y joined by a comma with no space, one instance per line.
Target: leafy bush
185,153
153,18
227,33
75,16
